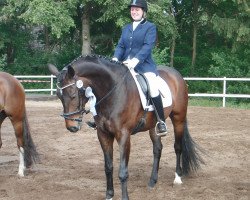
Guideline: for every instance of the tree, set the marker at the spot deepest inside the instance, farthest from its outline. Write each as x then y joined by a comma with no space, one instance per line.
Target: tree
233,22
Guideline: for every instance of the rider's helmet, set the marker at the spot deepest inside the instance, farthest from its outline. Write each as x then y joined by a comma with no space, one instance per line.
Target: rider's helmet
139,3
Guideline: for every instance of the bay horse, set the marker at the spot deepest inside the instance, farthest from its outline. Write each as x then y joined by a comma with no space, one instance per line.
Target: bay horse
12,105
119,110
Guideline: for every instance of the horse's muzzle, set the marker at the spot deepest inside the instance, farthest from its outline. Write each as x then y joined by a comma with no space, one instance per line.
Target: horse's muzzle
73,129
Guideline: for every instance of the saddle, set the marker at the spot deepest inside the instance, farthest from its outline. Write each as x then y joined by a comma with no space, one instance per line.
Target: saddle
143,82
143,88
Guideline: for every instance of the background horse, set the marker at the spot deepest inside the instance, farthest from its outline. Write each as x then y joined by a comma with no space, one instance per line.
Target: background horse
119,110
12,105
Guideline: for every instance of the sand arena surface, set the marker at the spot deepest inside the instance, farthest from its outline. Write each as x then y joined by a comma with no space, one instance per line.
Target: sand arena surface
72,166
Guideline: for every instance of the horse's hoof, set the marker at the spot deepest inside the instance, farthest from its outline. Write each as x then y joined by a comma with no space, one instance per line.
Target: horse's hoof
109,194
177,180
152,184
21,174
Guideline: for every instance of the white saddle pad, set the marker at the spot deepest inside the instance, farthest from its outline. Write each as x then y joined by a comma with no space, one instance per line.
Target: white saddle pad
164,90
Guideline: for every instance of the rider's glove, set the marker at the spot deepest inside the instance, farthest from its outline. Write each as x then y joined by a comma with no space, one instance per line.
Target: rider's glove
131,64
115,59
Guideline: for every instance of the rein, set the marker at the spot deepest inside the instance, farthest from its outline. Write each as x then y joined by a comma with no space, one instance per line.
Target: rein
116,85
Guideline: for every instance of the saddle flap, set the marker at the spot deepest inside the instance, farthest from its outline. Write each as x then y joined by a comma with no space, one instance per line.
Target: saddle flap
143,83
163,89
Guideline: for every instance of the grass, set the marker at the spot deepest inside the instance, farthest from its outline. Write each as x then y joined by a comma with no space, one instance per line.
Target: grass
217,102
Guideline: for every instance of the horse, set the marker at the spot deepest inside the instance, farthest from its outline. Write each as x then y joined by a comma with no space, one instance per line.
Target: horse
12,105
119,111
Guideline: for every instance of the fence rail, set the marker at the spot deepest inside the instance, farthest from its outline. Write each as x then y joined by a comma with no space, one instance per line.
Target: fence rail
37,79
223,95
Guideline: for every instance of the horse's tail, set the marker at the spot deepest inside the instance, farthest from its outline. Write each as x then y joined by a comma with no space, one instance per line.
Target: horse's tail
30,153
191,159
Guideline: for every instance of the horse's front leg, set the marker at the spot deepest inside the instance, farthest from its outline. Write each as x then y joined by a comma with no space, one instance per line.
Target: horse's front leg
106,142
157,149
124,147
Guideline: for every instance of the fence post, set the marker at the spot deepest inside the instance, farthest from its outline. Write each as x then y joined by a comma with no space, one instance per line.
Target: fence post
51,84
224,91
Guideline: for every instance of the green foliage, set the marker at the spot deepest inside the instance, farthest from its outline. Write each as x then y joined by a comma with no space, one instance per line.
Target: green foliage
54,14
161,56
160,15
235,27
227,64
182,63
223,36
2,62
223,40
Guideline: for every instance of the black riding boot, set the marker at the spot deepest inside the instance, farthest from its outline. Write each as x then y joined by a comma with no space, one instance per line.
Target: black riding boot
158,106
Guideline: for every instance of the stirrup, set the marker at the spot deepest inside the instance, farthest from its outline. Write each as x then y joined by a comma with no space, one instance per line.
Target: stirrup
160,134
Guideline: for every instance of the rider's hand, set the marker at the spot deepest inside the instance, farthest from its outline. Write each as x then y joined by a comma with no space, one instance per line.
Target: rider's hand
131,64
115,59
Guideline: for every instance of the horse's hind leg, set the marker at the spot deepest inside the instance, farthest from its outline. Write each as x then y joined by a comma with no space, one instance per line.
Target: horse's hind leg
18,127
2,117
178,123
157,149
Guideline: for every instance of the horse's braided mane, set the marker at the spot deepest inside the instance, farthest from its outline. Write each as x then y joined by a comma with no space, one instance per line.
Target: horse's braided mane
94,58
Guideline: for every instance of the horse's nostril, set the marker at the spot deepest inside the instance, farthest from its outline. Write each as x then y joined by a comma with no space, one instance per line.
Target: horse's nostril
73,129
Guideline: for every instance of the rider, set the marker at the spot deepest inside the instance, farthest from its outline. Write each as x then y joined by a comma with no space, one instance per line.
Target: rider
134,49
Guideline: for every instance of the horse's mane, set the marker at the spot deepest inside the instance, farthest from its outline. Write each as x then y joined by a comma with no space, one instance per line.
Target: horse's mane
96,66
98,59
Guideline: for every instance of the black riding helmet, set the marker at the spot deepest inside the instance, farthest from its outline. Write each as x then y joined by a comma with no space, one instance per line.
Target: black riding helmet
139,3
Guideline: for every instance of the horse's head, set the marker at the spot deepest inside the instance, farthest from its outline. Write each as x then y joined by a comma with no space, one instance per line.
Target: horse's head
72,93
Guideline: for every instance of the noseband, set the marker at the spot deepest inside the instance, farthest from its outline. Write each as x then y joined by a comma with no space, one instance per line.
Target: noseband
82,110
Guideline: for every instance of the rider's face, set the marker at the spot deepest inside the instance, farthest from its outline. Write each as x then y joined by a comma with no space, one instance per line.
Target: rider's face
136,13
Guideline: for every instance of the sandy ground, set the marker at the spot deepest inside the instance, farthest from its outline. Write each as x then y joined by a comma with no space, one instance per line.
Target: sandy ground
72,166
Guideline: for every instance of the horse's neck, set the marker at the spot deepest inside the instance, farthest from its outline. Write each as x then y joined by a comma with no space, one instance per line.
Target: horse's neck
108,84
99,78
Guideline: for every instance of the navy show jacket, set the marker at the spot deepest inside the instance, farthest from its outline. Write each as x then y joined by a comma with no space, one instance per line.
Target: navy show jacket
138,44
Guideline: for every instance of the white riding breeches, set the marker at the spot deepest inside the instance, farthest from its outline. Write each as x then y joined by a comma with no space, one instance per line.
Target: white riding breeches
153,83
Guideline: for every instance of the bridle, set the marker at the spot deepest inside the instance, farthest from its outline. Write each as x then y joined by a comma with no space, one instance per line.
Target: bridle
82,91
81,109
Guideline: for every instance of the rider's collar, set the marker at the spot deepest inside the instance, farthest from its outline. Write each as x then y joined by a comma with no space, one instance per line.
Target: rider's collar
143,21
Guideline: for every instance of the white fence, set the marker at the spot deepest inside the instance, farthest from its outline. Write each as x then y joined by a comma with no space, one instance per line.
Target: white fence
222,95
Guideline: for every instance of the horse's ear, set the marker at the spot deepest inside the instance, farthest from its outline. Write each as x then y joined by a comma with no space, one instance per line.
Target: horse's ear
71,71
53,70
